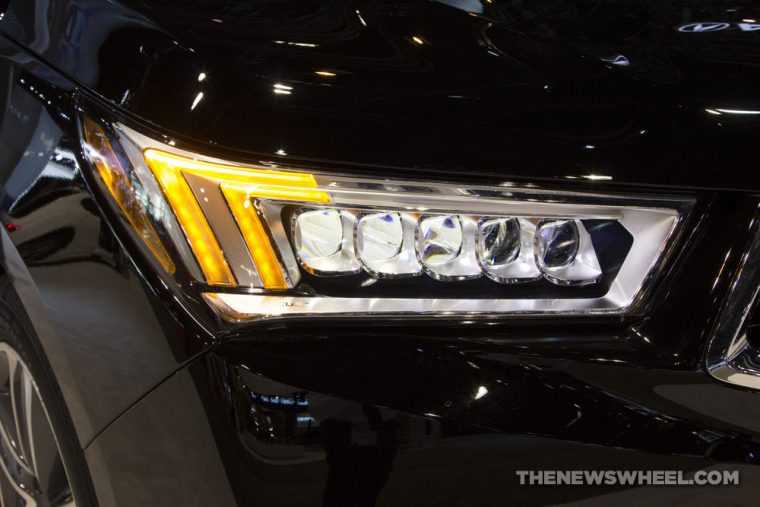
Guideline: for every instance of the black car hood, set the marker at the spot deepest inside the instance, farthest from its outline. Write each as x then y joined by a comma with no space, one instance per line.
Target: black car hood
632,92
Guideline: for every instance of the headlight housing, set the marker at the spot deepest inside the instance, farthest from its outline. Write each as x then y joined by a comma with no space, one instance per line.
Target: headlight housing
261,241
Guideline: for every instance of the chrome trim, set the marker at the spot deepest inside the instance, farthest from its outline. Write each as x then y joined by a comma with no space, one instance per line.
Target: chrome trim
240,307
272,211
292,277
730,357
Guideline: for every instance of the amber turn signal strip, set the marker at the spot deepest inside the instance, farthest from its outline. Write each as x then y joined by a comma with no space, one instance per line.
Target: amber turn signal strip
240,187
115,178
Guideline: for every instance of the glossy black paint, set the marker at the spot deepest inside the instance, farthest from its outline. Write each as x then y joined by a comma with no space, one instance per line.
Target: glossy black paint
78,285
166,397
286,444
520,91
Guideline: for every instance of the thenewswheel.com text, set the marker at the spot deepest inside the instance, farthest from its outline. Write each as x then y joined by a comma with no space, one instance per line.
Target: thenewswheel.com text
627,478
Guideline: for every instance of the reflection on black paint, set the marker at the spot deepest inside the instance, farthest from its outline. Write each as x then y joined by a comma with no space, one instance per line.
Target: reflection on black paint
35,250
358,471
348,453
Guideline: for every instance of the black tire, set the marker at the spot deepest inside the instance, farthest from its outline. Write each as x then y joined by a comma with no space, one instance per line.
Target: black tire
17,331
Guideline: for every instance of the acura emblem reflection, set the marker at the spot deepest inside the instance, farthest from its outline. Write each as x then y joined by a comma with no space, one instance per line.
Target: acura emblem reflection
712,26
703,27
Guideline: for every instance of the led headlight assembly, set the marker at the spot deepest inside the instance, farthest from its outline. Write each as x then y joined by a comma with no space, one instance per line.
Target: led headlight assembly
262,241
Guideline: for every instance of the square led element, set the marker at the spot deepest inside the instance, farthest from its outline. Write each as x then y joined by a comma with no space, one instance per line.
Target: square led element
439,239
565,254
318,234
505,249
498,241
557,242
385,244
446,247
379,236
323,241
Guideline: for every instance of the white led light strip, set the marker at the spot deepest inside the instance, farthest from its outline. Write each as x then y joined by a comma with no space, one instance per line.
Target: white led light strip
392,244
651,229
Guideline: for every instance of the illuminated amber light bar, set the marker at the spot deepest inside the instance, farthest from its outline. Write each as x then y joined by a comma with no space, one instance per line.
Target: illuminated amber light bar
240,186
112,173
255,236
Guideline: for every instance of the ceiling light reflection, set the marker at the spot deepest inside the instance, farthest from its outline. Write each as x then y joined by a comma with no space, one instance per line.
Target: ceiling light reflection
281,89
299,44
738,111
361,19
619,60
198,98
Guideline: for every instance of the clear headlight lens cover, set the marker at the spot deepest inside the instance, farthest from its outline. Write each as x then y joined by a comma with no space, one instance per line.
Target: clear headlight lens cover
260,241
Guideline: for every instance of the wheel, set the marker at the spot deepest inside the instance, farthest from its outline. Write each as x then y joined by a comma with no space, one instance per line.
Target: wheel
41,461
33,472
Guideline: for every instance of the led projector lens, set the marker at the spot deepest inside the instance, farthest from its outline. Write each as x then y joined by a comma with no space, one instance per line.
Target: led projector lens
439,240
498,241
557,242
323,241
318,235
379,237
505,249
565,253
262,241
447,247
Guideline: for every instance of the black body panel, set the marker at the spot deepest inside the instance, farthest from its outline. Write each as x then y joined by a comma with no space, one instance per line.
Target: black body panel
172,407
515,92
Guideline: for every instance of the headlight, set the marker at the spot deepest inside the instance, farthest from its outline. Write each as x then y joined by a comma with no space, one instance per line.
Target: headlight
262,241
